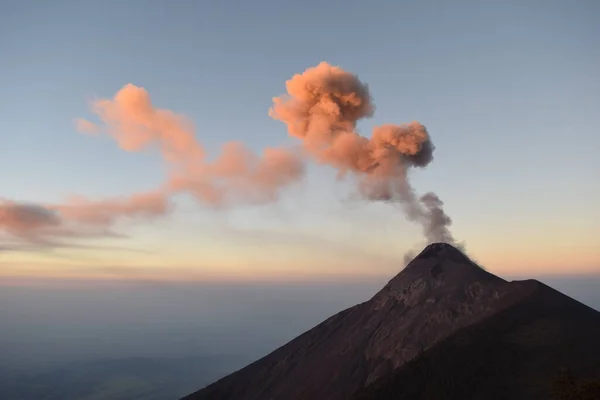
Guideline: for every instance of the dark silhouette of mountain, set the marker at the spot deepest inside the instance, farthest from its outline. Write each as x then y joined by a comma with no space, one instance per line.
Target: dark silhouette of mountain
515,354
441,312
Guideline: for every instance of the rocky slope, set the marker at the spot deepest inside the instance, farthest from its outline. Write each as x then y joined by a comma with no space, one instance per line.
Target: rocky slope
441,292
517,353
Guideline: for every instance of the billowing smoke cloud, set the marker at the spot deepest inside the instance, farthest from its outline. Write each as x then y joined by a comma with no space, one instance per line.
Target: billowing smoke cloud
322,107
236,176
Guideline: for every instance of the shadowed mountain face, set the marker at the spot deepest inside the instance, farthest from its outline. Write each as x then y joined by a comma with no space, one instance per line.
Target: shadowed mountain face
513,354
438,295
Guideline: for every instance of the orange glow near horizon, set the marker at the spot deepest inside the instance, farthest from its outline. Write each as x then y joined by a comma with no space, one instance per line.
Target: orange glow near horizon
248,268
192,254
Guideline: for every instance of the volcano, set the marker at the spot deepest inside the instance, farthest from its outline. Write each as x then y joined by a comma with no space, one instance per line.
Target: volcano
424,335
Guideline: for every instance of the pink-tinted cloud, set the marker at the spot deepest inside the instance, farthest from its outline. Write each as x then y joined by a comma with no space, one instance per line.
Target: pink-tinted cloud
27,221
236,176
321,108
133,121
130,118
240,176
28,227
85,126
105,212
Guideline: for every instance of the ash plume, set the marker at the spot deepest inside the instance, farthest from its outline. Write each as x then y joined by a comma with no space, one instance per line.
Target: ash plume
236,176
103,213
321,108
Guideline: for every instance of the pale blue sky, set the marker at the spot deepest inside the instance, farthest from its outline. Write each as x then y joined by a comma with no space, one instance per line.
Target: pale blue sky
509,90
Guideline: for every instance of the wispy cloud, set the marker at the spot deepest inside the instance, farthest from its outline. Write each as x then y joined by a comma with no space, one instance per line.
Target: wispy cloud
130,118
38,228
85,126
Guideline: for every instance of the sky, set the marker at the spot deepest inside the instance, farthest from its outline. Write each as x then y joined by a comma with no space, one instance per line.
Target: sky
508,92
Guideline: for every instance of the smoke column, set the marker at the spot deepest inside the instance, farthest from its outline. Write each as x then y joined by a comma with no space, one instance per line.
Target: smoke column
322,107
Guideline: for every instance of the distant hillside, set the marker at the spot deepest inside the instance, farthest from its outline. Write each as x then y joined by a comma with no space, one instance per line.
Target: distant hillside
119,379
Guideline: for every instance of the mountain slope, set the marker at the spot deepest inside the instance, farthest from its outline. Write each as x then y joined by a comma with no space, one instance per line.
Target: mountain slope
511,355
440,292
